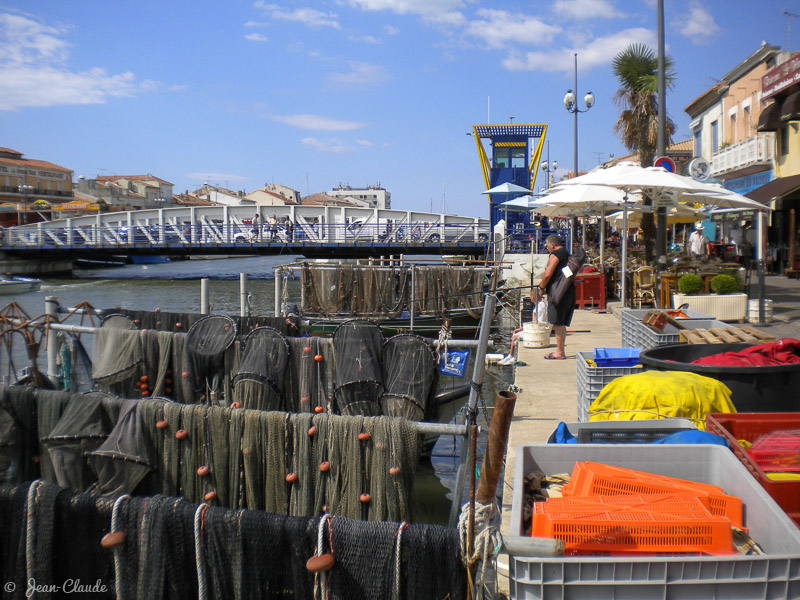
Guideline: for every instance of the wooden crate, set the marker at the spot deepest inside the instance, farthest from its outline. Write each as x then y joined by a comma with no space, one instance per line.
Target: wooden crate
729,335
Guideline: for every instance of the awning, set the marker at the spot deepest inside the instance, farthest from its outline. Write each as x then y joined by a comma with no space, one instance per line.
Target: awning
790,111
775,189
770,119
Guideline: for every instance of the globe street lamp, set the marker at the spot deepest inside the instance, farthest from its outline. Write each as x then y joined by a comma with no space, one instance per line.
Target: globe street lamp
25,189
548,168
571,104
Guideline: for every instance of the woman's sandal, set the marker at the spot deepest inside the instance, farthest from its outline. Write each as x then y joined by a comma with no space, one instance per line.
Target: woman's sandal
551,356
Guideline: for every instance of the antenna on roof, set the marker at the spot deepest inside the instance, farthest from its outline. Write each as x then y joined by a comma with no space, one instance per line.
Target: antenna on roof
789,16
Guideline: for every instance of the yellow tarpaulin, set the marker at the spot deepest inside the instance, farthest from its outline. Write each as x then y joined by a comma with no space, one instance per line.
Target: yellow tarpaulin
661,395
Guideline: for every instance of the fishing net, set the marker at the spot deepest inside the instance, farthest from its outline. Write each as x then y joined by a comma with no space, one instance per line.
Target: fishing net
434,568
181,322
260,382
116,358
205,346
309,375
158,550
83,426
158,378
440,290
358,347
74,364
117,321
410,376
125,457
13,508
250,555
326,290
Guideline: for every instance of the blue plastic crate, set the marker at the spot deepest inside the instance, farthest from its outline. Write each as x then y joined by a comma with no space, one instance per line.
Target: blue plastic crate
616,357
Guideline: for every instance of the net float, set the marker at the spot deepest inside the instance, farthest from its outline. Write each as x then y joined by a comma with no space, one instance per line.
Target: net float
168,390
136,321
236,405
168,381
144,379
291,477
305,399
178,325
380,446
185,374
325,466
312,431
113,539
161,424
307,349
320,564
181,434
364,436
318,357
145,393
394,470
203,471
364,498
36,459
157,310
212,495
318,409
158,323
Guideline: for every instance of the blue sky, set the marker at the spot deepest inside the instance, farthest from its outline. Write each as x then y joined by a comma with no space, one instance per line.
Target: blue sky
313,93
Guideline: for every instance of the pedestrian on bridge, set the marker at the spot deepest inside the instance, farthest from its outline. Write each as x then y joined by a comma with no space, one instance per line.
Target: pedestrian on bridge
273,227
256,230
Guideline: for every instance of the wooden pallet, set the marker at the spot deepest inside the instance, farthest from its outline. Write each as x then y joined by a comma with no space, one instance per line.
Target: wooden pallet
728,335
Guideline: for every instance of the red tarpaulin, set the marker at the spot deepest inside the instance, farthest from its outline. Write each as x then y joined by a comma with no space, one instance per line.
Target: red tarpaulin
781,352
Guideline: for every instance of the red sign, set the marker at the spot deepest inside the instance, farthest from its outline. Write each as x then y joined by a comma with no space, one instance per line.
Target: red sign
781,77
665,163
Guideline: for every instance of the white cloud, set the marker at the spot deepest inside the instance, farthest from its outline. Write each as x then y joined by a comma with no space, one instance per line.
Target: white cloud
598,52
210,176
370,39
307,16
256,24
436,11
317,122
360,74
365,143
698,25
586,9
256,37
498,28
329,146
33,69
391,30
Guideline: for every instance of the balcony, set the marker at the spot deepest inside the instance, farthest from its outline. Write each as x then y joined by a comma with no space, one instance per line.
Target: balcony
756,150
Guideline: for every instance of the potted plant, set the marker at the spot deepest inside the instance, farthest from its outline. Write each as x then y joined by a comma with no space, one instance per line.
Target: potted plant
727,303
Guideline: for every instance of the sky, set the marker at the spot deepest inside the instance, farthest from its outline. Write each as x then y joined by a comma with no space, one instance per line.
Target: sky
315,93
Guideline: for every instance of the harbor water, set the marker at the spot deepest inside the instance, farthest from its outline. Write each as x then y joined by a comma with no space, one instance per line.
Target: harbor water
175,287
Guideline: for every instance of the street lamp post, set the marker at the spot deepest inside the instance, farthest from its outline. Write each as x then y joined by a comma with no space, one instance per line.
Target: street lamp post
548,168
571,104
25,189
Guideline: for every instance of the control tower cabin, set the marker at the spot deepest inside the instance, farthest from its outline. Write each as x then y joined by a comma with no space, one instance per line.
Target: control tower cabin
509,153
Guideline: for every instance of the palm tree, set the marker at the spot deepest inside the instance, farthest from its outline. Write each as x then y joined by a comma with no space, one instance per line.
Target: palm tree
636,68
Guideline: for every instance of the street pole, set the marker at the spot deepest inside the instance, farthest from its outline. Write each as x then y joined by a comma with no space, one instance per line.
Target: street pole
661,140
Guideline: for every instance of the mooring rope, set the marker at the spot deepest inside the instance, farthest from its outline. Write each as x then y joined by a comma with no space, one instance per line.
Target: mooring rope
199,514
320,579
118,550
30,529
487,537
398,555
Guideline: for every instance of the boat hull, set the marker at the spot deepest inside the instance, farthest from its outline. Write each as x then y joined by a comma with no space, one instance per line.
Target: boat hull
19,285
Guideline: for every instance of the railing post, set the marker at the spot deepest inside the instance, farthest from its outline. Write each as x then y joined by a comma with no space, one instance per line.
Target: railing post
278,291
204,306
51,310
69,232
160,225
243,295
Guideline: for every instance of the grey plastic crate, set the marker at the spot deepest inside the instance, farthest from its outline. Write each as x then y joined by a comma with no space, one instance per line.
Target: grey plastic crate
592,380
631,320
645,338
625,432
773,575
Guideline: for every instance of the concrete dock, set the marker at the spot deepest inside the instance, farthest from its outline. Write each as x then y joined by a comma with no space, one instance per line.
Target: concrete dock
549,387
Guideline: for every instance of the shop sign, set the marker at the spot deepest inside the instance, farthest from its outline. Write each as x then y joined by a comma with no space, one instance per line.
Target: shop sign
781,77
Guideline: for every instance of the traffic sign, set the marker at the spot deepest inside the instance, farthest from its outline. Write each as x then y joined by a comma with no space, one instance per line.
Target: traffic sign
665,162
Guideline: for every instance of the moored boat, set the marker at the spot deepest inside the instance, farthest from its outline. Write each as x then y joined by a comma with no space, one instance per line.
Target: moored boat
12,284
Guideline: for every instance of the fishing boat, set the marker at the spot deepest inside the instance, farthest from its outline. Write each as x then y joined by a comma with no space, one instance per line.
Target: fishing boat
12,284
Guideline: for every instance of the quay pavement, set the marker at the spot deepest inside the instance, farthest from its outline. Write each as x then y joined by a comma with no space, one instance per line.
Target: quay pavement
549,387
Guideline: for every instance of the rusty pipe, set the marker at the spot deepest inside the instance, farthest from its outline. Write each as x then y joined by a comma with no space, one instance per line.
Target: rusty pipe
496,446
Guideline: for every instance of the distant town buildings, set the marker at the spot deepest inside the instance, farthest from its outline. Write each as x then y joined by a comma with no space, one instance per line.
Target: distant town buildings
145,191
30,186
372,196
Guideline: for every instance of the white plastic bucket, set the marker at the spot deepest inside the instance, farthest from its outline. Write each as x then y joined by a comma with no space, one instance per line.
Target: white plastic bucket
536,335
752,310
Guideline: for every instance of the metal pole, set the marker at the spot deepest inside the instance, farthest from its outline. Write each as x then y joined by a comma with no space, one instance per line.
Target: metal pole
204,306
575,112
243,294
278,291
474,395
661,139
413,299
760,265
51,309
624,262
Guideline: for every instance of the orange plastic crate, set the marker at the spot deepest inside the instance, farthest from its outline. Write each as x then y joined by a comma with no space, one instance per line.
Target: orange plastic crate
595,479
678,524
778,451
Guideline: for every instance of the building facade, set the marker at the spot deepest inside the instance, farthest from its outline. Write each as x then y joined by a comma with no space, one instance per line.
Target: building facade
372,196
30,187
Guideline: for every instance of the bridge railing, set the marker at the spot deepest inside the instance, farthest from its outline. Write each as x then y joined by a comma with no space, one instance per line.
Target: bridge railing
172,235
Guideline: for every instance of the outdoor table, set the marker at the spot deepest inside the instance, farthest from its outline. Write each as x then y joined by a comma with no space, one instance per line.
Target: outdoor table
669,285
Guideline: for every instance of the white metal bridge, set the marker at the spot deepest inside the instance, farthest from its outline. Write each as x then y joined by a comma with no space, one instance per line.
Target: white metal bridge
309,230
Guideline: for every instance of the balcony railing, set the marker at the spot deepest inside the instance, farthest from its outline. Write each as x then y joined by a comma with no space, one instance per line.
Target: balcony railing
755,150
13,189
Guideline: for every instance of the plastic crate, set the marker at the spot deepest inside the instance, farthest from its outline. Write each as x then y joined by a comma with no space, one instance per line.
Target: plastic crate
773,575
749,426
592,380
616,357
645,338
632,318
778,451
625,432
675,523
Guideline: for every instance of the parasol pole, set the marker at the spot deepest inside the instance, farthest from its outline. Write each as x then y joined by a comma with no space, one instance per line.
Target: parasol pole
624,262
760,266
